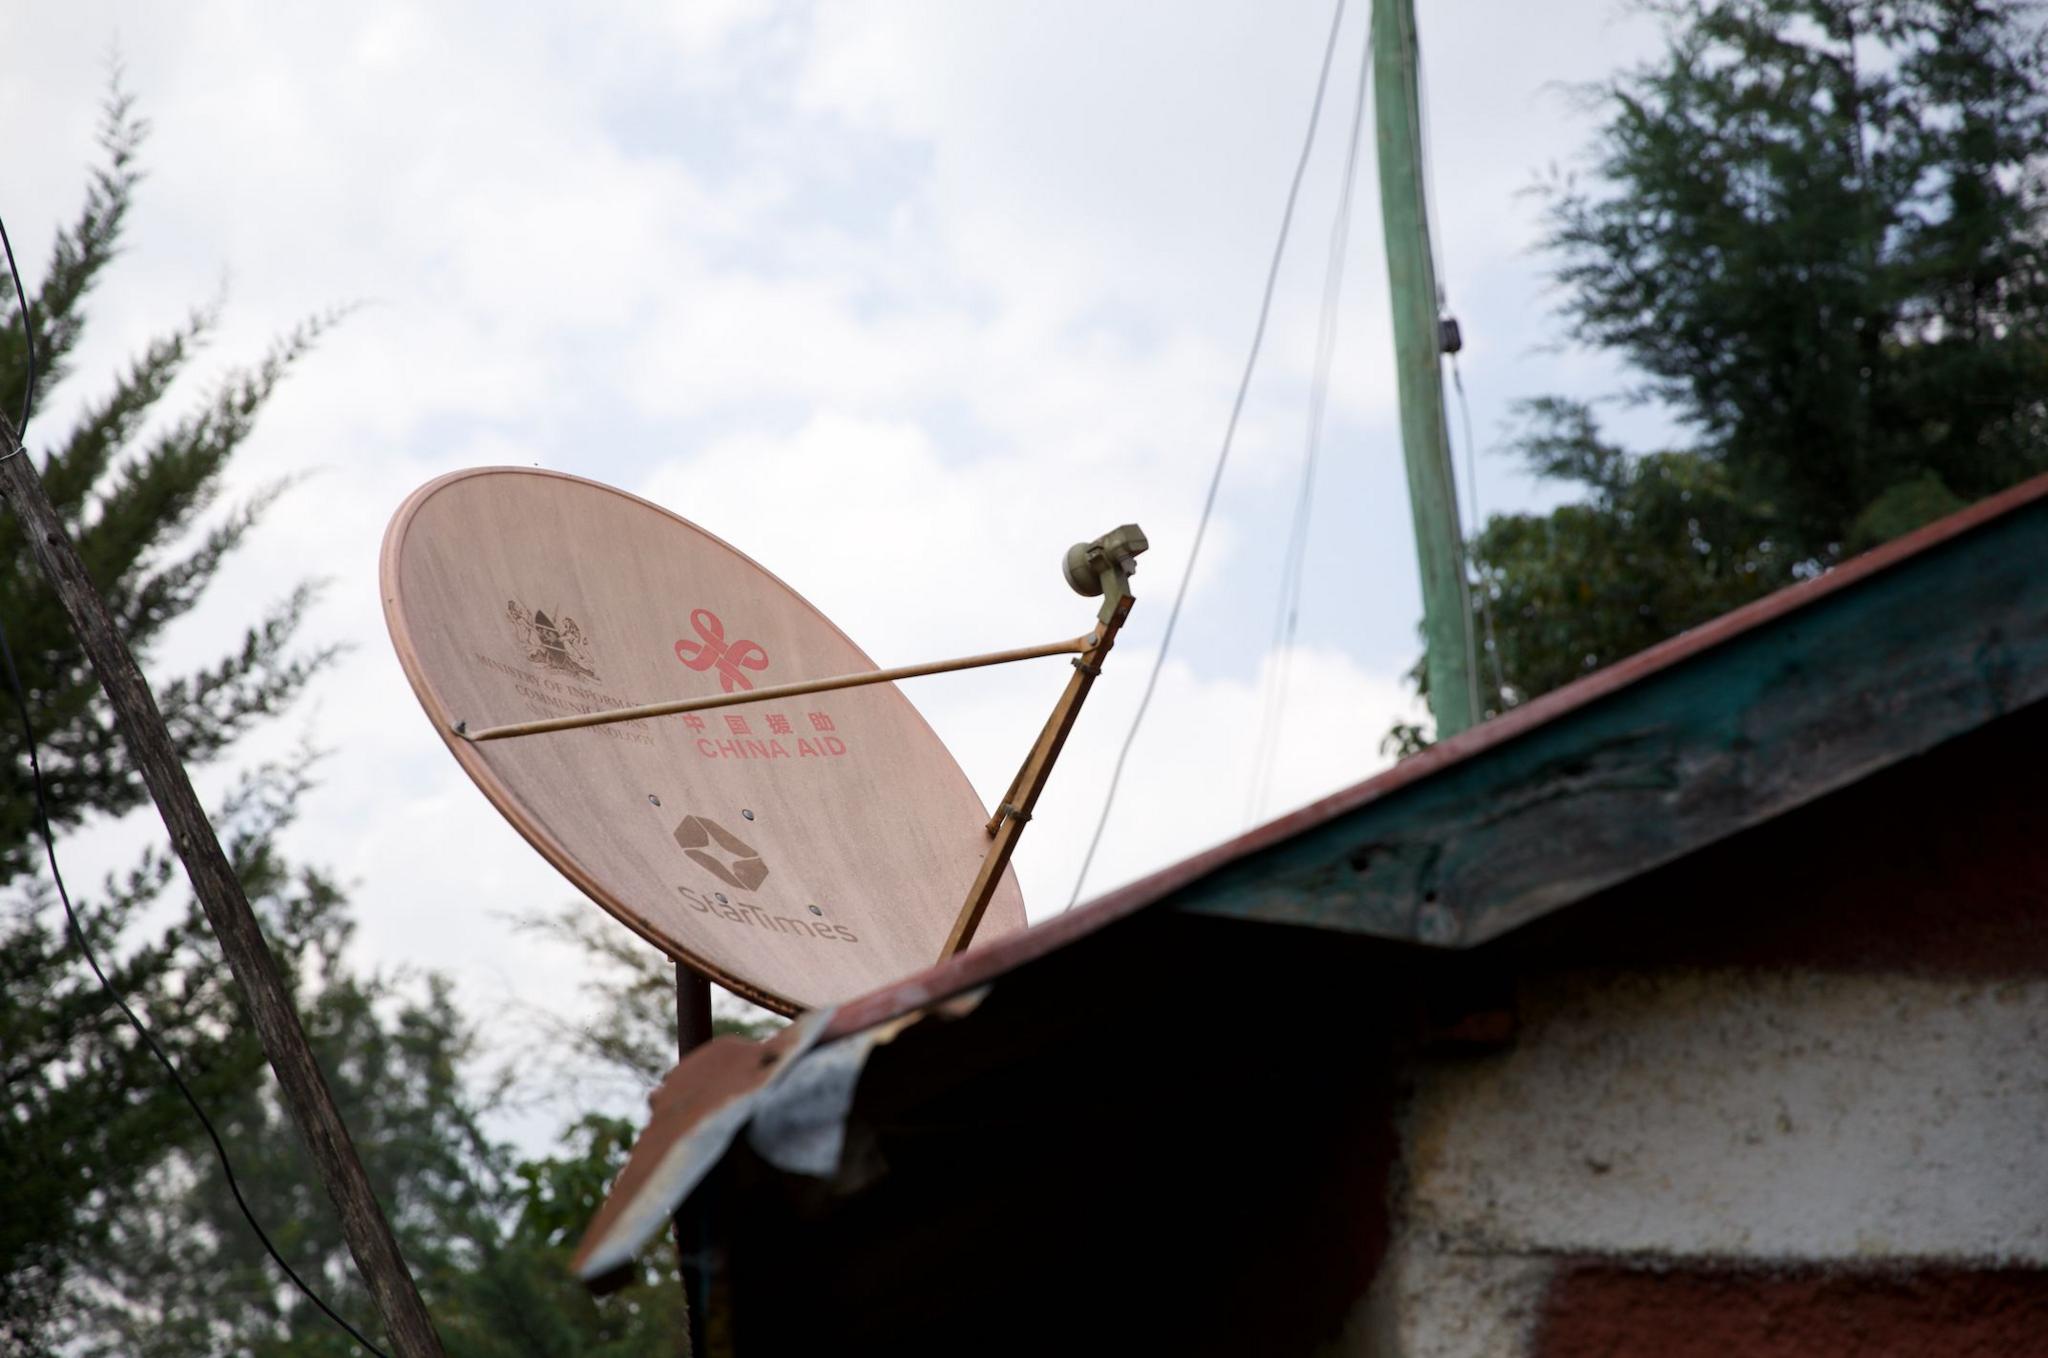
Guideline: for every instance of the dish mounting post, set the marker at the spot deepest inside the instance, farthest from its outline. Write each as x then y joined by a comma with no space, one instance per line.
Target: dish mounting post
1103,567
691,1228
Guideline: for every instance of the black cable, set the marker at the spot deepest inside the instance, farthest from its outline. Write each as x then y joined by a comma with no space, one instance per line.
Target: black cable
35,765
1287,608
1440,268
1222,456
28,343
1500,683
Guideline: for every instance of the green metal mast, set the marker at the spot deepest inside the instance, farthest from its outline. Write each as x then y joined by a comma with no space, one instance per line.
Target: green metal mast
1418,349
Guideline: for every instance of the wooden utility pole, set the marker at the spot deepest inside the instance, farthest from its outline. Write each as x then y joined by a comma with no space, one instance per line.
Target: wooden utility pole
410,1330
1418,351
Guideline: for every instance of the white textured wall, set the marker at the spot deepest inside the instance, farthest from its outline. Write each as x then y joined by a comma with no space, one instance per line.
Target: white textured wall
1772,1116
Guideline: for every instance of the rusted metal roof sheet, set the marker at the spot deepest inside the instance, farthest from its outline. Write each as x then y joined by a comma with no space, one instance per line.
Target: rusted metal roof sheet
695,1113
790,1100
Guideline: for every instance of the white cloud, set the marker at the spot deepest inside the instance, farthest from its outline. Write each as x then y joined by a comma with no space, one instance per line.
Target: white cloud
899,299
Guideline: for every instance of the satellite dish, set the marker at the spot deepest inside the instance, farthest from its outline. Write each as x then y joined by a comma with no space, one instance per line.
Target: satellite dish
798,851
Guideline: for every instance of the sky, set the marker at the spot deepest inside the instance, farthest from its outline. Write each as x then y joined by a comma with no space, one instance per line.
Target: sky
900,299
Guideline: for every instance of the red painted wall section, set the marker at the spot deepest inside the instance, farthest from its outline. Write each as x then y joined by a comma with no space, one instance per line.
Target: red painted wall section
1605,1311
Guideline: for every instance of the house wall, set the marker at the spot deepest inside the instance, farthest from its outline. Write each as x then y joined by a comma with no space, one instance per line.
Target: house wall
1788,1097
1709,1124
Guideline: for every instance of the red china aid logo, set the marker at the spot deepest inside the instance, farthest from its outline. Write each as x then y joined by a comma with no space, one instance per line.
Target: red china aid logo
711,649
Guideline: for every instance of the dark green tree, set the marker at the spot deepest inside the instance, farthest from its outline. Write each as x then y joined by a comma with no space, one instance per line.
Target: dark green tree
489,1237
87,1113
1817,231
628,1041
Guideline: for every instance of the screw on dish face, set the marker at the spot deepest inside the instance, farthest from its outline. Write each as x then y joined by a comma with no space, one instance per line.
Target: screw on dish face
748,814
720,895
816,911
653,800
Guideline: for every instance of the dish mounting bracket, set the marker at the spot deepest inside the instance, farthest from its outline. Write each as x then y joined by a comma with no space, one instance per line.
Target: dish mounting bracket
1103,567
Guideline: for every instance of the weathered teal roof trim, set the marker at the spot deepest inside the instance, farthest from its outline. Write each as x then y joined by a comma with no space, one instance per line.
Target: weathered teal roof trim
1715,731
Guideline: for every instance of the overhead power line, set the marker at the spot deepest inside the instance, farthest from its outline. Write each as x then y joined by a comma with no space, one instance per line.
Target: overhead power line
1222,454
1287,608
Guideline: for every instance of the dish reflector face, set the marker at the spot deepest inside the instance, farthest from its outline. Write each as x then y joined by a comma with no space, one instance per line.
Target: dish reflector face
798,851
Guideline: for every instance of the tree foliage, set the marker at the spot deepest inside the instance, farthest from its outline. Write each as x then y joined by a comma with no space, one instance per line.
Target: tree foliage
488,1237
87,1113
134,487
629,1042
1814,230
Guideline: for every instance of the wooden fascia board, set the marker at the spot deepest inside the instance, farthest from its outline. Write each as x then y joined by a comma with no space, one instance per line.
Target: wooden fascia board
1809,701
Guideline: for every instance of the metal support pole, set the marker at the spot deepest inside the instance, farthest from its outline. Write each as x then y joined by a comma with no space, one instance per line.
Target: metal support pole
1006,826
692,1230
693,1010
1418,348
802,686
406,1323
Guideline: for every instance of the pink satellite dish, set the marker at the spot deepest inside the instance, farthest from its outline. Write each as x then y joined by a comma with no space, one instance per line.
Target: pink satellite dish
798,850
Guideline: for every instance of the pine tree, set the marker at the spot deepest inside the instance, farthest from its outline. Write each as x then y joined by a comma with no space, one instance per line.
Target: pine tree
489,1237
87,1112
